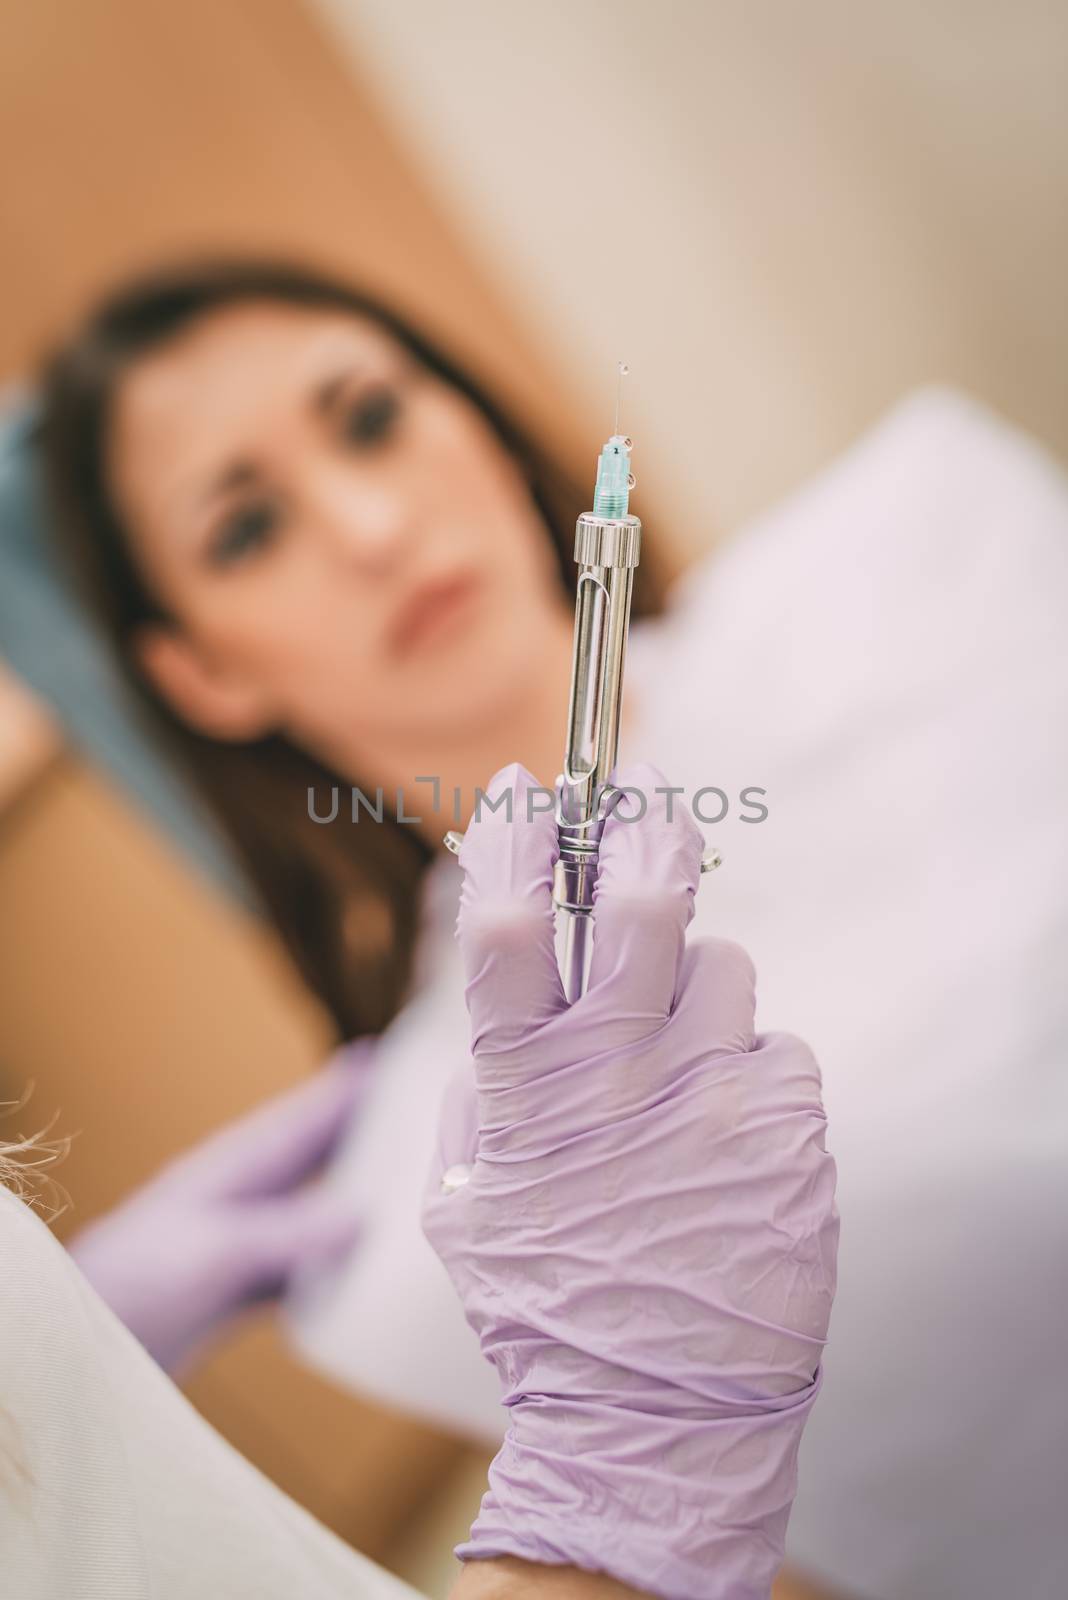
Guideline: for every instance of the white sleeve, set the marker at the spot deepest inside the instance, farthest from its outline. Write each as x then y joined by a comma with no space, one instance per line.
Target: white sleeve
111,1485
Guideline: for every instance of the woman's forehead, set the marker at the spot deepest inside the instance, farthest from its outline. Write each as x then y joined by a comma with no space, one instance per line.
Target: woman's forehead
234,353
229,382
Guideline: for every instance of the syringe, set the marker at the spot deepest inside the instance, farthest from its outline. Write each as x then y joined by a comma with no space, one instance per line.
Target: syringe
607,550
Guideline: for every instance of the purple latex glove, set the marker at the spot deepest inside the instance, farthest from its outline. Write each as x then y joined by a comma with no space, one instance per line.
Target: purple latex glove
225,1225
646,1242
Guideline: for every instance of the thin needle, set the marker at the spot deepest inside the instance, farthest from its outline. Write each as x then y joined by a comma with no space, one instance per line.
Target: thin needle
621,373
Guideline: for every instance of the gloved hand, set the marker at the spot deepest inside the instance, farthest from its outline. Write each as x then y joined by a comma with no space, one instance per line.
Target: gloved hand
226,1224
646,1241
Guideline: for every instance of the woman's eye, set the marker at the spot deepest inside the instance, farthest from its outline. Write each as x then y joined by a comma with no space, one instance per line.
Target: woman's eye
372,418
244,533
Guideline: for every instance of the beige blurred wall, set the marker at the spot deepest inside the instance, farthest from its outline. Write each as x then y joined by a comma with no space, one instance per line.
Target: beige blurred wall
783,216
132,131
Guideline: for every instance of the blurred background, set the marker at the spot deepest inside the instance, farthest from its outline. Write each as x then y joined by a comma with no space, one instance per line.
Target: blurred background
819,209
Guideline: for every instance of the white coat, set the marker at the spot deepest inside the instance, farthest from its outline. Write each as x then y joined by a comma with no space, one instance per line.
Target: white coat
111,1485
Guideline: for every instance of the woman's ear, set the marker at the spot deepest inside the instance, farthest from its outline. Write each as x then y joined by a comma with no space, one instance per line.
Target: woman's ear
210,700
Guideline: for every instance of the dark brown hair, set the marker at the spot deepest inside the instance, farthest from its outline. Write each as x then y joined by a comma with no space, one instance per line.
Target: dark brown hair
345,899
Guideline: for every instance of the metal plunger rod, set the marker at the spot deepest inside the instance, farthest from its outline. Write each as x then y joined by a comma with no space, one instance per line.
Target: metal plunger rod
607,550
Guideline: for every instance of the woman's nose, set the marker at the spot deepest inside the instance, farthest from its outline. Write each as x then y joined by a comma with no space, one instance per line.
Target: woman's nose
365,523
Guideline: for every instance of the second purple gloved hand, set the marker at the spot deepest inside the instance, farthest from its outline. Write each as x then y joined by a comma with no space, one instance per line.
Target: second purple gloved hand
646,1241
226,1225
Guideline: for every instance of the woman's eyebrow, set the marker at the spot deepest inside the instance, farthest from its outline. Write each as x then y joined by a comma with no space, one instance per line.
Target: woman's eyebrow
325,394
243,473
235,475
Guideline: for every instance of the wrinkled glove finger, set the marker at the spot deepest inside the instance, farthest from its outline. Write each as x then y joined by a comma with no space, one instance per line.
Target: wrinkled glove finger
505,925
648,873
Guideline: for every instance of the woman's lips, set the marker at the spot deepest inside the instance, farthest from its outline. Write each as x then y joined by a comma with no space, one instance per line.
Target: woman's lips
432,609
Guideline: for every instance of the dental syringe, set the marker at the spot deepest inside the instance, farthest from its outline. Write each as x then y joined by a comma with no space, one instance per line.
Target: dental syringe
607,551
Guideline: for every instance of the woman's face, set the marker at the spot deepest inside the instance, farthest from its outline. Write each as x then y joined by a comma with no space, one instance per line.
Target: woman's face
348,553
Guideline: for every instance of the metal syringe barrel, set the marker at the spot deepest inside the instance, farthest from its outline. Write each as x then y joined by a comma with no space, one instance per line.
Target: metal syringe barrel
607,550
